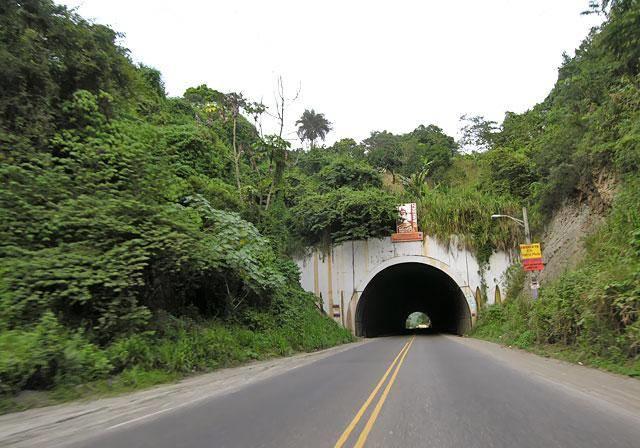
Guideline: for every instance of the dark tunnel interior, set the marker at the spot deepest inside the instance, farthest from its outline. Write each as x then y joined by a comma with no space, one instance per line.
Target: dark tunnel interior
399,290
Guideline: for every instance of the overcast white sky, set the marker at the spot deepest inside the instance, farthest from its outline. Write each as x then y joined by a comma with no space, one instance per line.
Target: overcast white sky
368,65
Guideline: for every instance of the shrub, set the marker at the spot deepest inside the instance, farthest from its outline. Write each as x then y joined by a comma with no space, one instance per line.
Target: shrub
47,355
81,361
134,350
594,310
347,172
346,214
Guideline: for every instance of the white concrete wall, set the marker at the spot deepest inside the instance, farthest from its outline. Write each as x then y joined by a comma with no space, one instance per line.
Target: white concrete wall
341,274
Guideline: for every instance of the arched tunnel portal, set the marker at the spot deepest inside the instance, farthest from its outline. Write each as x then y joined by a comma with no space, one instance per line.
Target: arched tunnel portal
401,289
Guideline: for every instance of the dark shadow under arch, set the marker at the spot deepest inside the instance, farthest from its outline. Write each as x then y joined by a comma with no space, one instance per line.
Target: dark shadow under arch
401,289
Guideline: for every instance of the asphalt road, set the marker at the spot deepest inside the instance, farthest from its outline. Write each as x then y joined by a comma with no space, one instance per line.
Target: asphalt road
437,393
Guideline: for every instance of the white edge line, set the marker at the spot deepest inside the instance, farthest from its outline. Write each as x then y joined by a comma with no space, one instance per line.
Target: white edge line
342,348
138,418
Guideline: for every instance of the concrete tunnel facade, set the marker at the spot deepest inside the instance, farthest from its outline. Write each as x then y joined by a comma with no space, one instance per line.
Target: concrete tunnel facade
371,286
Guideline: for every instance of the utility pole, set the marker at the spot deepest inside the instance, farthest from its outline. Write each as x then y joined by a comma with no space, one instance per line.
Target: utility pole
527,237
524,222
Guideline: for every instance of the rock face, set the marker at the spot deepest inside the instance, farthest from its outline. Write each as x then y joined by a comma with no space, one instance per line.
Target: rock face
564,236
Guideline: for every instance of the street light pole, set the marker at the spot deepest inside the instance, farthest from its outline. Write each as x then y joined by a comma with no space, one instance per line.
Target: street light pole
527,237
524,222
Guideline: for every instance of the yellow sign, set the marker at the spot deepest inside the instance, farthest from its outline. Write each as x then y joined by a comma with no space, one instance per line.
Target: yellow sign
528,251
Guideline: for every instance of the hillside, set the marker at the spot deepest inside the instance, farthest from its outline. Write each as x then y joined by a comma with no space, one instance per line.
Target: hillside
576,158
127,256
146,237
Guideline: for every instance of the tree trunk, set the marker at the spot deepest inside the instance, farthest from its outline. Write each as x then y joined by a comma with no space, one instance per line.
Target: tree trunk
271,188
236,157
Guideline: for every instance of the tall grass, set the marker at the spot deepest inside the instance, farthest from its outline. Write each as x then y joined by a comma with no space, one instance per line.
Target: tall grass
466,212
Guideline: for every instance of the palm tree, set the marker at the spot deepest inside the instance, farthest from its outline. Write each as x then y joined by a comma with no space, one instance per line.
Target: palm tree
312,126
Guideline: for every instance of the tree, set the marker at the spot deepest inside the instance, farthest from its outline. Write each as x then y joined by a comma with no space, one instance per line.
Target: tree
47,53
428,144
281,101
345,171
477,132
312,126
153,79
232,104
275,144
277,148
348,147
509,171
203,95
416,183
384,151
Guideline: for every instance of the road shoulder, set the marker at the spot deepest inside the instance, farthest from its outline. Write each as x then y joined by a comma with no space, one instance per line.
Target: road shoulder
62,424
619,392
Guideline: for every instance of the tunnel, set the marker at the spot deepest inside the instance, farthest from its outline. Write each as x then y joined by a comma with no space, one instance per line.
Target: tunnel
399,290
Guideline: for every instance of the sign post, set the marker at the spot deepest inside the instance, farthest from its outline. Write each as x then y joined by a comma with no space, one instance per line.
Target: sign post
407,225
531,255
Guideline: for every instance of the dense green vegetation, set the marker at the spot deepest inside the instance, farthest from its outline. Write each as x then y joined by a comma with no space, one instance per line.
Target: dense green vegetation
138,231
135,230
587,126
145,237
335,192
590,314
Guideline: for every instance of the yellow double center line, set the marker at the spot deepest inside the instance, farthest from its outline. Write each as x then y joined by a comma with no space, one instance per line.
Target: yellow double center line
397,362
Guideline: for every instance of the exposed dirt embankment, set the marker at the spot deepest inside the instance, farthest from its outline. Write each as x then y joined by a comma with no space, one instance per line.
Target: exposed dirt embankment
564,236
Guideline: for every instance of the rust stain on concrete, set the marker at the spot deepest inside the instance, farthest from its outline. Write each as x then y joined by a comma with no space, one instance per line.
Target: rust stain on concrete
316,288
330,281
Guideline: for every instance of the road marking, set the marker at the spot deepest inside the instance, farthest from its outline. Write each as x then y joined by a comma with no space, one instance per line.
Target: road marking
142,417
376,411
347,432
274,365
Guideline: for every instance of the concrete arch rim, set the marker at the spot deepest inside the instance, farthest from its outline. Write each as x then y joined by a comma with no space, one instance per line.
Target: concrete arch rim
420,259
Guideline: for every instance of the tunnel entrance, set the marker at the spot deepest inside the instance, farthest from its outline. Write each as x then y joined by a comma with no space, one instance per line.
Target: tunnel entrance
401,289
417,320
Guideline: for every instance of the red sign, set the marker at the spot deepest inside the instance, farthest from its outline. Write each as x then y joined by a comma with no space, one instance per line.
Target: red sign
531,255
533,264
